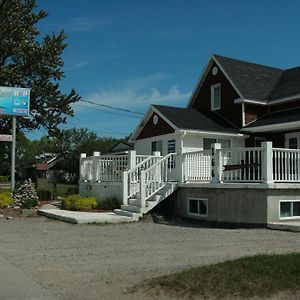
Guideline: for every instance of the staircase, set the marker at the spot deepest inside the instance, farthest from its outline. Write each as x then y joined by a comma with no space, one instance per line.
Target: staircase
144,188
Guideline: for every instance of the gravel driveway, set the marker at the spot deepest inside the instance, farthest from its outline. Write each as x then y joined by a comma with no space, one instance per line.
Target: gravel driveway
101,262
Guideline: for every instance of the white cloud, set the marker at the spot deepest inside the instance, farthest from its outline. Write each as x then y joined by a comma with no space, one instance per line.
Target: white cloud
130,98
83,24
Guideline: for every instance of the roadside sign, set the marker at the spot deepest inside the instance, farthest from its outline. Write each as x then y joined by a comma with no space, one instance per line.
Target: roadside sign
14,101
6,138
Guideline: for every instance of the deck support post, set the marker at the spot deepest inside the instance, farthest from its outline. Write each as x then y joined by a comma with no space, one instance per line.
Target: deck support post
96,155
125,188
267,161
143,188
131,159
216,163
81,167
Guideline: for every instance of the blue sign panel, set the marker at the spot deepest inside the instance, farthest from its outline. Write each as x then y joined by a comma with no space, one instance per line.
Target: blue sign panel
14,101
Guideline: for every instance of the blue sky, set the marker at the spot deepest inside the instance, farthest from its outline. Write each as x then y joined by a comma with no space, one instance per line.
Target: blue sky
131,53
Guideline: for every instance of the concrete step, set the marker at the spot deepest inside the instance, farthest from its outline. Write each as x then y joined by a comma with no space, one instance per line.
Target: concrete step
134,216
134,202
131,208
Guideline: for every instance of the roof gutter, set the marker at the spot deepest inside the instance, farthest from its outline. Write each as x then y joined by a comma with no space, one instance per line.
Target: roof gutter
274,127
243,100
212,133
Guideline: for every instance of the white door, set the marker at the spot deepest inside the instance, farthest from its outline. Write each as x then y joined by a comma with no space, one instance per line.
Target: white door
292,140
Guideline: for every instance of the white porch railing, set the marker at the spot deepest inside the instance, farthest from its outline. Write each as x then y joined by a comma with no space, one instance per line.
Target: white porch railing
286,165
242,164
99,168
197,165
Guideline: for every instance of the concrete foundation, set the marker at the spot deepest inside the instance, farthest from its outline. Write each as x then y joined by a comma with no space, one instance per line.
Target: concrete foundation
248,204
101,190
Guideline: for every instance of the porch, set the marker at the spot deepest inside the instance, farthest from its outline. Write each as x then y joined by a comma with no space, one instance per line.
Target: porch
142,181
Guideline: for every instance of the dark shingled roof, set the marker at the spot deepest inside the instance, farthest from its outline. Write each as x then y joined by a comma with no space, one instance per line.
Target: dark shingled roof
186,118
254,81
288,85
284,116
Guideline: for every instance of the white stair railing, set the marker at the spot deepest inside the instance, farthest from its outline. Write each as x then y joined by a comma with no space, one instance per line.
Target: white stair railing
132,178
157,176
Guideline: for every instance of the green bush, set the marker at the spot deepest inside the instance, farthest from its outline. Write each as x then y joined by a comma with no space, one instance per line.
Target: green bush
72,190
44,194
3,178
77,202
5,199
29,203
110,203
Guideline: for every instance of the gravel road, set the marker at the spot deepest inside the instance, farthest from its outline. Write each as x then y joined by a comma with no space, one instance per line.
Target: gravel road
102,262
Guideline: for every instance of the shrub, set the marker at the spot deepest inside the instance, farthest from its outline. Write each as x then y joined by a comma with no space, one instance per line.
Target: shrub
110,203
77,202
5,199
44,194
3,178
29,203
72,190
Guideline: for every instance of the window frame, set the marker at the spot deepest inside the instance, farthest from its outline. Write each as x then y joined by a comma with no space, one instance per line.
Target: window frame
212,96
197,214
292,209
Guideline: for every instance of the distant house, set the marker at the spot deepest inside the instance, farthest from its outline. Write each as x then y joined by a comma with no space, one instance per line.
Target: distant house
121,147
232,155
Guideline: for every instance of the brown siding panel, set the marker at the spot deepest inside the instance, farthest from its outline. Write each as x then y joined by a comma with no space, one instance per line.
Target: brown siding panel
229,110
252,112
150,129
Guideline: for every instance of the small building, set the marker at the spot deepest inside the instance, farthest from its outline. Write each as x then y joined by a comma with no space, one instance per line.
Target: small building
231,156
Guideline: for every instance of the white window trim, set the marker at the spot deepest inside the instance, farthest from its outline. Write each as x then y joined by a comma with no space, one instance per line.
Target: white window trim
287,218
212,96
197,215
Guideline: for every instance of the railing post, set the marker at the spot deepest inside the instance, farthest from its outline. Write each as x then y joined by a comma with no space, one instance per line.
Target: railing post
131,159
96,155
81,167
125,188
267,162
143,188
216,163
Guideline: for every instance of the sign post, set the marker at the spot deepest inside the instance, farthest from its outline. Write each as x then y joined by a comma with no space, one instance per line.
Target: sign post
13,152
14,101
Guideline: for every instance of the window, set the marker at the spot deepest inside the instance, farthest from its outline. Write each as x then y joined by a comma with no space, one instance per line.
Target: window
208,142
215,96
293,143
156,146
198,207
289,209
171,149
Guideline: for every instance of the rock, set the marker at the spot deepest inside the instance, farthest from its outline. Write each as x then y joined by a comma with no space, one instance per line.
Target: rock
1,216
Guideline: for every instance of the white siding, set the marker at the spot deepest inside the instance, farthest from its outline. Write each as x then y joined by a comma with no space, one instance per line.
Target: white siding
191,142
143,146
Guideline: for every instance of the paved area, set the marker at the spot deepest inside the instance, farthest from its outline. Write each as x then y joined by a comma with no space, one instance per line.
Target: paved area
102,261
14,284
290,226
83,217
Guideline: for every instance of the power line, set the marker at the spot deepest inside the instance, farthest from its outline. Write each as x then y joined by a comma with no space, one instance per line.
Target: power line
112,107
109,112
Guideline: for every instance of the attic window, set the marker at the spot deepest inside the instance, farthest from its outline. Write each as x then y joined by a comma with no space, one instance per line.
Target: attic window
216,96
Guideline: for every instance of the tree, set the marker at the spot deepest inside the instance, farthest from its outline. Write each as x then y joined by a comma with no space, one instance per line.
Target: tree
73,142
28,60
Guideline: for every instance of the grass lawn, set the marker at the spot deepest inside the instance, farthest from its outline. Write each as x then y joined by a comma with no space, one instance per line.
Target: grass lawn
61,187
261,275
